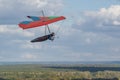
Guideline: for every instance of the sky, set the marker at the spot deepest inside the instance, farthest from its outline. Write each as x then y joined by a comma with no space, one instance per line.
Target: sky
90,32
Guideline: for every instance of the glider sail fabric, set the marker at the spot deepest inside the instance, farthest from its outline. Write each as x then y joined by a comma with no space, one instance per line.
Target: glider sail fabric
34,18
39,21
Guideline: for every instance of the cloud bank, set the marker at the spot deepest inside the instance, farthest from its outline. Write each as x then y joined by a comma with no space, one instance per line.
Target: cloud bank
12,12
106,21
94,38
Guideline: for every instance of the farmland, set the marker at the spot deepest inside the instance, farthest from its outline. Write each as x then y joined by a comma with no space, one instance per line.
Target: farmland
59,72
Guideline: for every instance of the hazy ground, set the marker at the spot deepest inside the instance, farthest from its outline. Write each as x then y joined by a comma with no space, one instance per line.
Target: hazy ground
58,71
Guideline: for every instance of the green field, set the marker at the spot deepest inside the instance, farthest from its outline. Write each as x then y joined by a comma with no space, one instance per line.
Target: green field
59,72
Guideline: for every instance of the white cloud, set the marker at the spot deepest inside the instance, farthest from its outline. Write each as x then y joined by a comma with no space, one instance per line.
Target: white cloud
116,23
106,16
1,57
112,11
29,56
88,40
15,30
12,12
105,21
115,49
31,46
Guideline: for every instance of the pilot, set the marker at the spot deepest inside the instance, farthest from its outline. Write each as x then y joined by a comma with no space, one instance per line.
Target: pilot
50,36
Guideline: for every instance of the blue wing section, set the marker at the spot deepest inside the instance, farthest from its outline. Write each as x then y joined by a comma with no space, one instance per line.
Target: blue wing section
34,18
26,22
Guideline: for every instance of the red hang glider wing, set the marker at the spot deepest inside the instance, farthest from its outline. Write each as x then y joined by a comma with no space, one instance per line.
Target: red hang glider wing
41,22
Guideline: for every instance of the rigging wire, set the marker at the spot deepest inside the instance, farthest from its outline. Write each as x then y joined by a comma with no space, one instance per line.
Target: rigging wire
46,25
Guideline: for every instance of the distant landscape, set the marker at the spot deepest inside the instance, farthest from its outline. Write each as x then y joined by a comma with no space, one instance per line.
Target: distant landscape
60,70
62,62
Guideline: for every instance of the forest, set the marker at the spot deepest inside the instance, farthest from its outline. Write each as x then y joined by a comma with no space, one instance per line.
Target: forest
59,72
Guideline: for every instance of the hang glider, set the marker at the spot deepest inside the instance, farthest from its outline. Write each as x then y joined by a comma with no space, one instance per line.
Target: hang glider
41,21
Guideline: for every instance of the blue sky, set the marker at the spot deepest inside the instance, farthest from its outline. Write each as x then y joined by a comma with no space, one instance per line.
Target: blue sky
91,31
81,5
